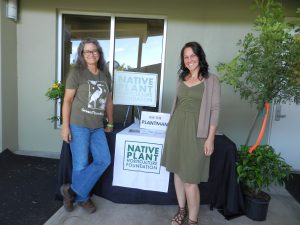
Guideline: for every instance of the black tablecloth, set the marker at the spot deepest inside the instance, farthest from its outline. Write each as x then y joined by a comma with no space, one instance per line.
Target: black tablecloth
221,191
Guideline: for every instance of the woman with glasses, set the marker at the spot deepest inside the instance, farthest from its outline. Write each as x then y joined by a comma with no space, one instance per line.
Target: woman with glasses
87,102
191,131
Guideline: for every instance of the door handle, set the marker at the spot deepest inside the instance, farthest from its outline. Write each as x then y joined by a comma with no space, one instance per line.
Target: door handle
278,114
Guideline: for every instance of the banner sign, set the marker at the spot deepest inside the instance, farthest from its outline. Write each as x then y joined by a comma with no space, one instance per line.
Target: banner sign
135,89
154,120
142,156
137,161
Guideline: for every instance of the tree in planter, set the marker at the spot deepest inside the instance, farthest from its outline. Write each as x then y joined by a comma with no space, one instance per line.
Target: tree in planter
267,66
265,70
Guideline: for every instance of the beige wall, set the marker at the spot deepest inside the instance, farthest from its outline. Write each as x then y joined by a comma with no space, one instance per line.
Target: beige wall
219,43
9,90
217,26
1,20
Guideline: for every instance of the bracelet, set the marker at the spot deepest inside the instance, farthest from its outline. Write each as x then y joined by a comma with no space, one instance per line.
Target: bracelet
109,125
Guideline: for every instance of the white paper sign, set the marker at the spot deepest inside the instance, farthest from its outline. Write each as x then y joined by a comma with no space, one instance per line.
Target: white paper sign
133,88
154,120
137,161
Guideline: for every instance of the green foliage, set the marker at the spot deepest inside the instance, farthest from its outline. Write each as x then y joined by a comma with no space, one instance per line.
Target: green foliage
56,91
54,118
123,67
261,168
266,69
267,66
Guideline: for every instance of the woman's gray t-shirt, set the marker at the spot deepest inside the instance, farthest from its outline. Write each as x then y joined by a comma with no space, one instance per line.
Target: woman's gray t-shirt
89,104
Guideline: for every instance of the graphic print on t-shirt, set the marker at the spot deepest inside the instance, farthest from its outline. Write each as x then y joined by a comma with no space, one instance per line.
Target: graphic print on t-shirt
97,94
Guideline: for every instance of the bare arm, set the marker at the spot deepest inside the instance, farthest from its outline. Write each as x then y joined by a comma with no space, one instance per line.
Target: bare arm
109,112
215,109
66,114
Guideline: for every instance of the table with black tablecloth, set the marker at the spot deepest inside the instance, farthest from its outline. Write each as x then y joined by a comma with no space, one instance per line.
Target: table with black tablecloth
221,191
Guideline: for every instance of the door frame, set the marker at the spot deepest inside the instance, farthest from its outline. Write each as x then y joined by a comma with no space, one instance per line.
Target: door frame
113,16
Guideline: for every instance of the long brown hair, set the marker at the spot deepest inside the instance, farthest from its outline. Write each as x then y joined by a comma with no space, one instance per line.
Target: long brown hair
101,64
198,50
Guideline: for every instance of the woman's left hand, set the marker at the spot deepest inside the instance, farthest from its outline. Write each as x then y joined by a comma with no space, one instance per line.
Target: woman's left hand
208,147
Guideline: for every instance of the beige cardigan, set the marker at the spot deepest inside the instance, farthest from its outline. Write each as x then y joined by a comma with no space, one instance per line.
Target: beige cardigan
210,105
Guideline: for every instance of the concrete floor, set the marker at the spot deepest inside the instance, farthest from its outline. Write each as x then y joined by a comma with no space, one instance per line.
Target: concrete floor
283,210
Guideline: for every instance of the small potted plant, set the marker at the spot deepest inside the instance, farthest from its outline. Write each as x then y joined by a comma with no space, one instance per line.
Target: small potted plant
56,93
256,172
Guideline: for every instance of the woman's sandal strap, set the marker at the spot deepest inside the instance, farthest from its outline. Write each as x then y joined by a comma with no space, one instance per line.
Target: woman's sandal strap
191,222
180,216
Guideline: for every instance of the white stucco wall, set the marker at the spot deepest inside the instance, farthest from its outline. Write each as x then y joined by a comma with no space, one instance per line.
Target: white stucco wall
216,25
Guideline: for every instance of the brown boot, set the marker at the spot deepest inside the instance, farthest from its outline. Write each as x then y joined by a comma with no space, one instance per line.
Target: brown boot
68,197
88,206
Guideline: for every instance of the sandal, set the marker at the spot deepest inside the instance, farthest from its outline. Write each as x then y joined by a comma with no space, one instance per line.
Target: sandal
191,222
179,216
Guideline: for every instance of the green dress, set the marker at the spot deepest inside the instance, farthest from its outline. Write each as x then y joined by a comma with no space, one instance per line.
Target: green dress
183,151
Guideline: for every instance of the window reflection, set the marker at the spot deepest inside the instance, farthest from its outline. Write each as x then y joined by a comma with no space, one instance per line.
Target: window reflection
126,52
138,47
77,27
152,51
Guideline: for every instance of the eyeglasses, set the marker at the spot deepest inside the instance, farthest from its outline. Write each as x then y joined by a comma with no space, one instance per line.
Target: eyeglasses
93,52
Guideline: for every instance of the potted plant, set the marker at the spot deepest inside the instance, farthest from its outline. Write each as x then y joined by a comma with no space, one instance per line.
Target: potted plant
55,93
256,172
265,70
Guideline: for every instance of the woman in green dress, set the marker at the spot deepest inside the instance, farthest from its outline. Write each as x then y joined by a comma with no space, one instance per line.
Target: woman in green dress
189,140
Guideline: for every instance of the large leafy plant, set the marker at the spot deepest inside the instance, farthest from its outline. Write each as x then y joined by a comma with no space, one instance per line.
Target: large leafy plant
267,65
260,169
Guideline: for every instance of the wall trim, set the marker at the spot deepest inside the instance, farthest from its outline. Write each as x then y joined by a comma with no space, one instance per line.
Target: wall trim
52,155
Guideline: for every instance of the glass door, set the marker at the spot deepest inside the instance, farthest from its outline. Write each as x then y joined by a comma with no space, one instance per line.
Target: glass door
74,29
77,27
135,45
138,51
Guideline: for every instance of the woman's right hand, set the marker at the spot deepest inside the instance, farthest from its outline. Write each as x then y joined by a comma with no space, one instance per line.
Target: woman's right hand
66,134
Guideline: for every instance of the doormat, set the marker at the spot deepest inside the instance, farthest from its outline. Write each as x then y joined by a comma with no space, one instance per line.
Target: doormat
27,189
